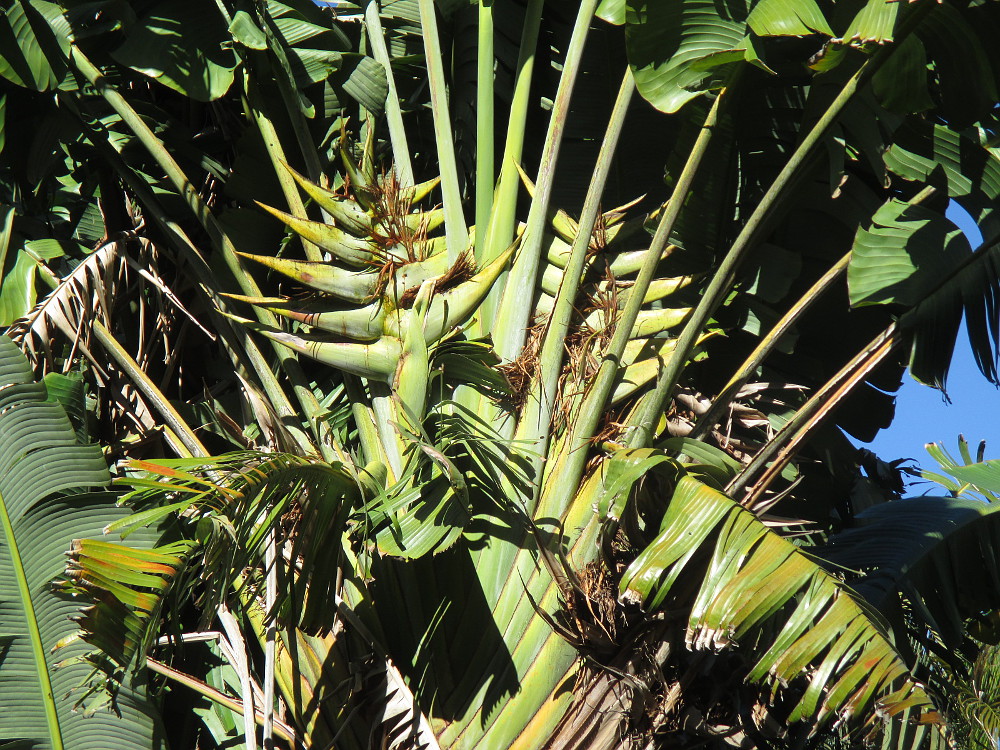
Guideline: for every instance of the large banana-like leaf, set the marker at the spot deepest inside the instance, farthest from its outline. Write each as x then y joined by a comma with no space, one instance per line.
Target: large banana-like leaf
52,492
940,556
37,54
761,588
672,45
200,66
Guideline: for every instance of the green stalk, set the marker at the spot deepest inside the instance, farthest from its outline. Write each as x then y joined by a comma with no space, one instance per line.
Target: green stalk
826,399
643,421
536,421
34,634
290,96
572,462
454,221
393,113
485,168
307,400
766,346
270,642
510,329
535,424
364,421
499,233
774,336
255,106
512,611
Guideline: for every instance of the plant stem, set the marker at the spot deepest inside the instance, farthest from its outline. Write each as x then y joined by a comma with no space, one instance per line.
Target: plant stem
786,443
290,96
178,429
510,329
499,233
148,389
281,729
595,401
454,221
270,644
809,416
235,338
537,418
235,635
393,113
775,335
485,157
272,144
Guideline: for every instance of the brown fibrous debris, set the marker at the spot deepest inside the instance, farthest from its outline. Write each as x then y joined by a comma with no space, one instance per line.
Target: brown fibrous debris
463,269
593,609
521,372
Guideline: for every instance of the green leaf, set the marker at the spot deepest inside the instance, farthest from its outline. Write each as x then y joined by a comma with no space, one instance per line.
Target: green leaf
875,23
18,293
612,11
368,84
667,39
761,586
70,392
901,83
927,153
964,68
973,291
46,502
232,502
309,66
182,45
246,32
703,453
34,44
938,552
294,31
788,18
903,255
620,473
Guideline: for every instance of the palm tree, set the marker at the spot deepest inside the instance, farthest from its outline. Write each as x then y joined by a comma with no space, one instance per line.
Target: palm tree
521,469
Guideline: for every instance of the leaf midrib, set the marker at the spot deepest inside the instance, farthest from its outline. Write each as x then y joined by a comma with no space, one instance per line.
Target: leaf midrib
38,650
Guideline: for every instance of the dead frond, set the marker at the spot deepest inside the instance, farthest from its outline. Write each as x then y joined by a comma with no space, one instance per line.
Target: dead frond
80,297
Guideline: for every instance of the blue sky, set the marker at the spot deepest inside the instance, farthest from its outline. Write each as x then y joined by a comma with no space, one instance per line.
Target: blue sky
923,416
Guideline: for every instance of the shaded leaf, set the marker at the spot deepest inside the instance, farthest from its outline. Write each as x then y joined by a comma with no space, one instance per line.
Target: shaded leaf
181,45
937,550
368,84
900,84
34,44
